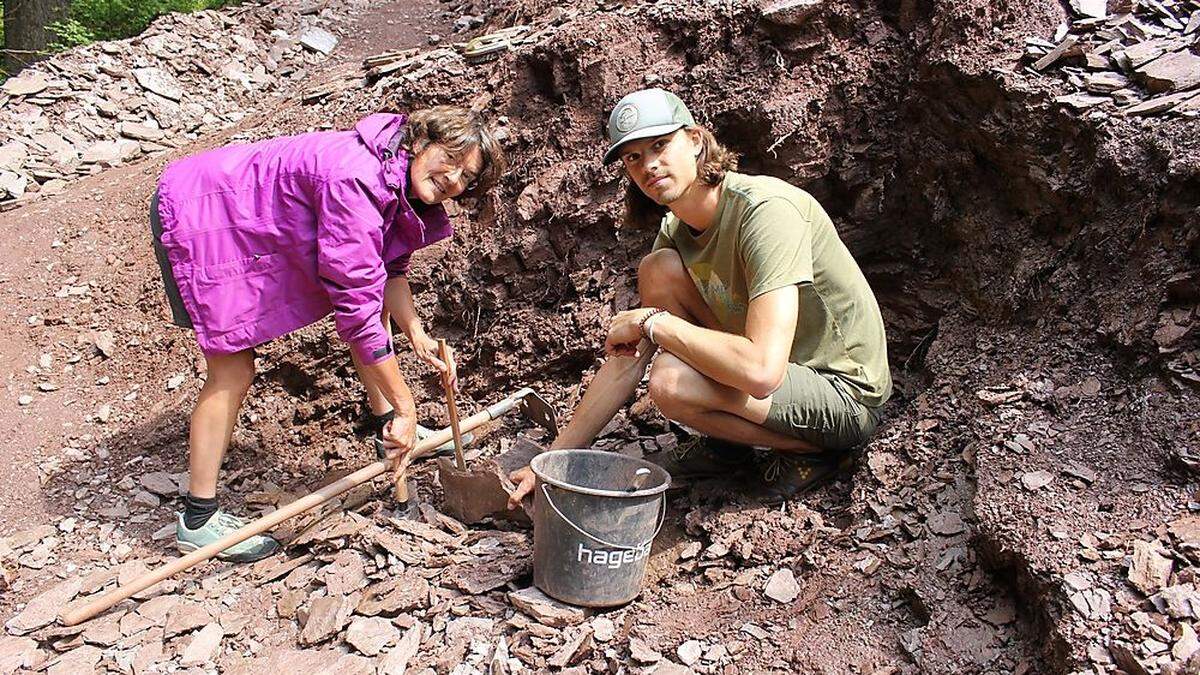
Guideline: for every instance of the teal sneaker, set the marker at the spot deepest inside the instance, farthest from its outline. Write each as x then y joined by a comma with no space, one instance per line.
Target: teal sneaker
220,524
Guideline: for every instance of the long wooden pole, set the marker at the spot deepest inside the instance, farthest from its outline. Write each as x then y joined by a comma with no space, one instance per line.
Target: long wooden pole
451,406
425,447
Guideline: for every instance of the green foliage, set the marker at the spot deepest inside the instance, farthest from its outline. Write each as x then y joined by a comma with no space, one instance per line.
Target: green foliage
91,20
69,33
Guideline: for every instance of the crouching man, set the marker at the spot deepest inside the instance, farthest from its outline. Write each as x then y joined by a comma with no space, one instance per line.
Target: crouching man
772,342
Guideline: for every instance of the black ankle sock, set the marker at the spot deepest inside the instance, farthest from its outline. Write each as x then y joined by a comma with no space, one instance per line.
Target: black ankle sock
378,422
197,510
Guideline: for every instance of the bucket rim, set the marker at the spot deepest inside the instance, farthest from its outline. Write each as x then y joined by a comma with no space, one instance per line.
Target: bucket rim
597,492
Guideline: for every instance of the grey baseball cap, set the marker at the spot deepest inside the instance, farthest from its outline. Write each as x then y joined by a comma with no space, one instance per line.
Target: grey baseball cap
645,114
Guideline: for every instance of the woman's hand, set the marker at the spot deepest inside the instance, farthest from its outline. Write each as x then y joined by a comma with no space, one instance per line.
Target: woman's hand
399,438
426,348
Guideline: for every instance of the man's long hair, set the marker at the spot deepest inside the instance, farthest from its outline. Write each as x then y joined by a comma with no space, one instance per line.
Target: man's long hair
714,161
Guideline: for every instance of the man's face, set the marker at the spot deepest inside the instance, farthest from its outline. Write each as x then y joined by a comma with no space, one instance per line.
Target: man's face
664,167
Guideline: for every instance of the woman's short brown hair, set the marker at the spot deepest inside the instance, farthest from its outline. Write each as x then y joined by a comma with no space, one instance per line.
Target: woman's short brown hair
712,163
457,130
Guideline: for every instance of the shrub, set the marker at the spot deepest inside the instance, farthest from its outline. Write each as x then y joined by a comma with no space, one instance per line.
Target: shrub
92,20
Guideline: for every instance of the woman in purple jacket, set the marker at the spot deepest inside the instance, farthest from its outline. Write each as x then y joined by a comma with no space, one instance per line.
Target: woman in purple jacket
258,240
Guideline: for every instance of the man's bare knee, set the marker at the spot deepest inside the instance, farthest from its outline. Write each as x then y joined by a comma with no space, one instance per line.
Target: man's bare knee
668,386
661,276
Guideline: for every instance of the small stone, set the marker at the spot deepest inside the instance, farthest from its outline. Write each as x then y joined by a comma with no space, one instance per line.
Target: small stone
18,653
755,631
105,343
603,629
1179,602
318,40
79,660
24,399
141,132
545,609
1186,643
175,381
13,184
396,660
641,652
1150,569
689,652
465,628
25,84
1036,480
146,499
946,524
369,635
1081,472
790,13
575,649
204,647
782,586
1090,9
1174,71
326,616
44,608
1158,104
160,483
1104,82
184,617
107,153
158,81
690,551
103,413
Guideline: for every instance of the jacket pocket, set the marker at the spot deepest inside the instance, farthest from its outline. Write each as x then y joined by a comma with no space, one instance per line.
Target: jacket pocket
241,294
233,269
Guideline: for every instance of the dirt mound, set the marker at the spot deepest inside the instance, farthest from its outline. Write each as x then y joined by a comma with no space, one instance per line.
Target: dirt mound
1024,507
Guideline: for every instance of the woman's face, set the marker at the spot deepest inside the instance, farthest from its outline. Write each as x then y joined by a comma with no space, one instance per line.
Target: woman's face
435,175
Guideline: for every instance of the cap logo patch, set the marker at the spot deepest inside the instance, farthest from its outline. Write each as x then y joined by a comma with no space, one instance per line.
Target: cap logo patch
627,118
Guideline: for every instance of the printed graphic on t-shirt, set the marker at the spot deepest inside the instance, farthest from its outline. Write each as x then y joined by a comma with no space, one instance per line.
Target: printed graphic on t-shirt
730,311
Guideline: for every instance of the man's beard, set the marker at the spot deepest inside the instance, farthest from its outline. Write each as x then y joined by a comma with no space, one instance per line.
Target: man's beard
671,195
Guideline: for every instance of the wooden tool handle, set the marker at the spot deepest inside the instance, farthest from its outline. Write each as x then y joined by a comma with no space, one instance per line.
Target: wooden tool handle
451,405
423,449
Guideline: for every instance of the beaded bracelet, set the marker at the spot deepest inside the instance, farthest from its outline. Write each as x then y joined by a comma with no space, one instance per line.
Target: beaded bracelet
642,323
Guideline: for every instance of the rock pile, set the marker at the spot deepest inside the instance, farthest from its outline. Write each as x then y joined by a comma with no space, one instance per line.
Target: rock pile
186,76
1136,57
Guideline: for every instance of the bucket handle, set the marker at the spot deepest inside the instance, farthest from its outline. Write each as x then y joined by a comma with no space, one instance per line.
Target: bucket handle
662,516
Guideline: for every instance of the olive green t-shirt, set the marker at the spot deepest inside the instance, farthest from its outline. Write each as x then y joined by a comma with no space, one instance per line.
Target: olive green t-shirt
768,234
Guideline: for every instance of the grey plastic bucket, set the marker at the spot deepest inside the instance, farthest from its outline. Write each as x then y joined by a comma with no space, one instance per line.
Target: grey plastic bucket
591,532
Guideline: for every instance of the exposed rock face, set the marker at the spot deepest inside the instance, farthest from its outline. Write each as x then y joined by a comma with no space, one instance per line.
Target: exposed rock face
1035,259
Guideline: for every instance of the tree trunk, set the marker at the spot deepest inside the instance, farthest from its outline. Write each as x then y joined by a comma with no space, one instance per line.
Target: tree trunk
25,36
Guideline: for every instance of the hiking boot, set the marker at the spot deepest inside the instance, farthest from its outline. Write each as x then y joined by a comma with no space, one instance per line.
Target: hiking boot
704,457
220,524
785,475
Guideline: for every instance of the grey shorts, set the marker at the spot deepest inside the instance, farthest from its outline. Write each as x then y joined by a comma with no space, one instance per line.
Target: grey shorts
820,410
179,315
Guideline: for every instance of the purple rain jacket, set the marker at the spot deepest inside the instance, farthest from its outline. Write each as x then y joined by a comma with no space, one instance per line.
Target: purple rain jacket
269,237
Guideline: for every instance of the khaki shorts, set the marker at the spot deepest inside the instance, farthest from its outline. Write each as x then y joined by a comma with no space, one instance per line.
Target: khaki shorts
819,409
